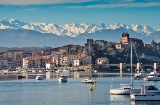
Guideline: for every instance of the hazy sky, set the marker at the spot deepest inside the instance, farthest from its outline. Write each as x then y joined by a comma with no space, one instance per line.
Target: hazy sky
83,11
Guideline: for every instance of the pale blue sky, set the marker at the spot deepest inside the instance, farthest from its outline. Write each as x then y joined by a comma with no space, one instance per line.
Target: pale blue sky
83,11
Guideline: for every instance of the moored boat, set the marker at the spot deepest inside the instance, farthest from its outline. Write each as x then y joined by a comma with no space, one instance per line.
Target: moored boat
62,78
139,76
148,93
88,80
153,76
39,77
125,89
21,76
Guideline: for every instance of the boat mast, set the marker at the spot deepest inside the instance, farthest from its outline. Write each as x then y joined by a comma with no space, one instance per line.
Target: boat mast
131,67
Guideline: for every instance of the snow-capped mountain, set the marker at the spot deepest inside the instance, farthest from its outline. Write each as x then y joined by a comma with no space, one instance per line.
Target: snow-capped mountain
72,29
137,28
17,33
67,29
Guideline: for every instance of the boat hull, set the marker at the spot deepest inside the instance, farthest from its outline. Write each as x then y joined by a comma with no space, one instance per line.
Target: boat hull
21,76
88,81
124,91
153,79
39,78
144,97
62,80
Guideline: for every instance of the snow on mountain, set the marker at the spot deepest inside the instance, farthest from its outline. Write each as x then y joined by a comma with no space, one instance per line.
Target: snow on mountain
137,28
143,29
72,29
75,29
116,26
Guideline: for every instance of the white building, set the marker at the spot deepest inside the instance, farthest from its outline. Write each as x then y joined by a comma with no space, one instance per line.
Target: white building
50,65
77,62
25,62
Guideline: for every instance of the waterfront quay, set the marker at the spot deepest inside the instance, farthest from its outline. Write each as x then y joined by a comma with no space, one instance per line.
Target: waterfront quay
53,74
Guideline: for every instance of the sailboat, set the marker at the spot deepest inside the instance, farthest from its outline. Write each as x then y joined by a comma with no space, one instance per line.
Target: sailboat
125,89
89,79
140,74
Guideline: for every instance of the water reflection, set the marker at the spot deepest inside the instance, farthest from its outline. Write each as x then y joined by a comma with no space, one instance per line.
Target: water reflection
119,98
145,102
50,75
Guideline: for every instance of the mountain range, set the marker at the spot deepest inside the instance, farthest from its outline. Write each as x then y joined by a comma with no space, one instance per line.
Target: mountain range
20,34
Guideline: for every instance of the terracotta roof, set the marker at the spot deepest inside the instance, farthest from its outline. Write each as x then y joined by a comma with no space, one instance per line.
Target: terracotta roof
50,63
1,53
3,59
38,57
15,51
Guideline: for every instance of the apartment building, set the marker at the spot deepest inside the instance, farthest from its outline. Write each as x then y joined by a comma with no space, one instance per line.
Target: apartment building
36,62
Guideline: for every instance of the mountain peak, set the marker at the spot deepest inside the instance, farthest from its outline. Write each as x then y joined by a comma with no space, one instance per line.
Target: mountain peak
72,29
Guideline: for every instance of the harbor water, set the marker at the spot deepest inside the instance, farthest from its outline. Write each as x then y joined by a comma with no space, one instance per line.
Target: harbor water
50,92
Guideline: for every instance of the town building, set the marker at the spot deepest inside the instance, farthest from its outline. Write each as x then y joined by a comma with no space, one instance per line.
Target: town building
14,57
3,63
89,46
101,61
100,44
118,46
83,60
36,62
125,38
50,65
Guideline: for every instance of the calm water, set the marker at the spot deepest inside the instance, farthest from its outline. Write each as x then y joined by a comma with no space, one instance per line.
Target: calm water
51,92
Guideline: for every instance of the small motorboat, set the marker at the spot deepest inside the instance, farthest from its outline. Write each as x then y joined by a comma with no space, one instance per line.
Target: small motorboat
39,77
138,76
148,93
62,78
153,76
88,80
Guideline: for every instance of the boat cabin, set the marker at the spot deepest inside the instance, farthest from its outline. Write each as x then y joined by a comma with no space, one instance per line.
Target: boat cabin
125,86
152,74
63,76
148,89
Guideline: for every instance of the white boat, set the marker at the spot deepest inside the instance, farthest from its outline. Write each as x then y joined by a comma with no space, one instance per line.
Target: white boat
62,78
153,76
138,76
39,77
125,89
88,80
148,93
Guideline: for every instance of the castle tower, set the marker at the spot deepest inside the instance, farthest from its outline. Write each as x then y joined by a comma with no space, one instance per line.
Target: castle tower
125,38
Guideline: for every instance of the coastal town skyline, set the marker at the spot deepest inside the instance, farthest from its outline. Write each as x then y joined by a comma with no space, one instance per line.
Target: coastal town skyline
83,11
90,52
